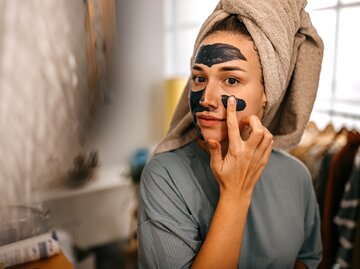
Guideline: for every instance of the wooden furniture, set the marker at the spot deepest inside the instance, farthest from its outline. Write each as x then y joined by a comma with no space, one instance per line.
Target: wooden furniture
96,214
55,262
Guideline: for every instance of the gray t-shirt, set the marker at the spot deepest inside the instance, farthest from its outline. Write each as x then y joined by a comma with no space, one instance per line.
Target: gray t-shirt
178,197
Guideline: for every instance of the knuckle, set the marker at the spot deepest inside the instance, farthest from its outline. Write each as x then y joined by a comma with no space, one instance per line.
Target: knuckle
213,165
254,119
269,136
236,152
259,132
263,162
232,126
230,123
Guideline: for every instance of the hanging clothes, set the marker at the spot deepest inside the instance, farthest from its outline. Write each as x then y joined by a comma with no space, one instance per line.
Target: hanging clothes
346,219
340,169
355,263
312,147
329,156
320,180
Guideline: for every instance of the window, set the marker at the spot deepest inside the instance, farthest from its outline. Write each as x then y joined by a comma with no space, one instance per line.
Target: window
183,19
338,98
336,21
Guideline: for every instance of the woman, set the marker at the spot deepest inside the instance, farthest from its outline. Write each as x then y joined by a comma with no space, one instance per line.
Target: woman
217,194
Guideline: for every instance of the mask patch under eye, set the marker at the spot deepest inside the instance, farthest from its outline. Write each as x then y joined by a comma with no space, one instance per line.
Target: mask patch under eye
194,100
240,103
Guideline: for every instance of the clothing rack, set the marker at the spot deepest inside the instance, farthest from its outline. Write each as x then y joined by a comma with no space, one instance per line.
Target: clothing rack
332,163
336,118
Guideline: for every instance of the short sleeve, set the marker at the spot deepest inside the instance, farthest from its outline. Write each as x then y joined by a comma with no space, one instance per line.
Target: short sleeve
168,234
311,250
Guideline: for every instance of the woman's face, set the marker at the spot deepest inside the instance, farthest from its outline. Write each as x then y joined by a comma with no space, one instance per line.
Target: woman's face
226,63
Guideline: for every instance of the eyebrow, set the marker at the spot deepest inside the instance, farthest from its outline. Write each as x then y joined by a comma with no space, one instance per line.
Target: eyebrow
197,67
231,68
223,69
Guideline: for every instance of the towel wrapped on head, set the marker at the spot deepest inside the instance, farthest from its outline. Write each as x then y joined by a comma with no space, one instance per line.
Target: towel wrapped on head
290,53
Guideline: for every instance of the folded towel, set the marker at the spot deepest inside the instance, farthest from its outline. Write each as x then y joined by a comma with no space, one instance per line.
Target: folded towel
290,53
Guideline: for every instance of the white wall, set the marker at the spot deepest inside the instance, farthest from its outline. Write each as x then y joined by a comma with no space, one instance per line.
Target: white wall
44,100
134,118
44,95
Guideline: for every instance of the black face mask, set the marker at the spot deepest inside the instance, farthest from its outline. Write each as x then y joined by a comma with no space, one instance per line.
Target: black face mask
195,107
218,53
209,55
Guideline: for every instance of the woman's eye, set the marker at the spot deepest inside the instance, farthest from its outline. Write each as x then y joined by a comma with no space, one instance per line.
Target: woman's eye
231,81
199,79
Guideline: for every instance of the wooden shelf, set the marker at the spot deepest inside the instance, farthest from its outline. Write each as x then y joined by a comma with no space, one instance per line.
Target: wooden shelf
55,262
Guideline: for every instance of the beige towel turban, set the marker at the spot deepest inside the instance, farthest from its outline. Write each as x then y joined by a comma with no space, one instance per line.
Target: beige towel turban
290,53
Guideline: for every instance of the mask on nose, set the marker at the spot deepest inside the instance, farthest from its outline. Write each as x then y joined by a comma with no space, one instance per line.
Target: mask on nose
195,107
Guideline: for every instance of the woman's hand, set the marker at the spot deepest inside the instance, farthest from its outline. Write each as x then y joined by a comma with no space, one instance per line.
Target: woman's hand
240,169
237,173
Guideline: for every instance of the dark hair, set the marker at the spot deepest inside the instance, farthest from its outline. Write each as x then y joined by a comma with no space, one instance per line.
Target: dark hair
233,24
230,24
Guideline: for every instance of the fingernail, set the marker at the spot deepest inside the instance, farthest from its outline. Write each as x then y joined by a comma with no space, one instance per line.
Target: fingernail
232,99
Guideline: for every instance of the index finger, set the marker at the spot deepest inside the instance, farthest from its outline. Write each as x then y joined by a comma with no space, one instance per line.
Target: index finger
232,124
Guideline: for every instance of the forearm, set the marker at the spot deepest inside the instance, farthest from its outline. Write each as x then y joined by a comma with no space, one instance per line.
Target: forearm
221,248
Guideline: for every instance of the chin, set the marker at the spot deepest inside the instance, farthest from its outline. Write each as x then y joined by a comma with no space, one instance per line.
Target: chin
214,136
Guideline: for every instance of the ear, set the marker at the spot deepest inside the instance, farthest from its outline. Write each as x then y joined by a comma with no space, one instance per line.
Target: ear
264,105
264,101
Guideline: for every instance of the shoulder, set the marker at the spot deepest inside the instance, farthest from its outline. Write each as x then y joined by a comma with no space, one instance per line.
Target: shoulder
289,170
283,161
168,167
286,158
171,160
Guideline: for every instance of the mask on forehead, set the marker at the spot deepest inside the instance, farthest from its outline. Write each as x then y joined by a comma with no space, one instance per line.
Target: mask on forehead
218,53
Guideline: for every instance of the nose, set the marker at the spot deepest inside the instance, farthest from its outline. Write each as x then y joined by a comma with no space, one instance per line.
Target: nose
211,96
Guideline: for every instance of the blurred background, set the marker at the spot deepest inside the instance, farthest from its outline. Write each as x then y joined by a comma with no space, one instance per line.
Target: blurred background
87,89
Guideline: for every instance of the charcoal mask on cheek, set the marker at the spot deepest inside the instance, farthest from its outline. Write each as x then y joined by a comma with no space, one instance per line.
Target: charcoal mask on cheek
240,103
195,107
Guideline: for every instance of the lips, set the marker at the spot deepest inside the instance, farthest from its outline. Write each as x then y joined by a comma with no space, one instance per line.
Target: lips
207,117
208,121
